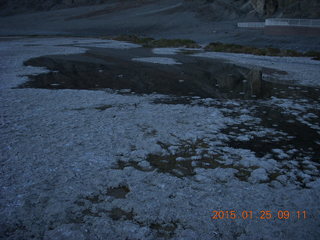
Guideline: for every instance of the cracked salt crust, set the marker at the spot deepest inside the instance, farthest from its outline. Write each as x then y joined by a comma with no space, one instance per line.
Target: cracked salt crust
60,154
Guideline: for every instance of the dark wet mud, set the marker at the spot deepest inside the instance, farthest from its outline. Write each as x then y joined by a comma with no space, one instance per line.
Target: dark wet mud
118,192
114,69
297,136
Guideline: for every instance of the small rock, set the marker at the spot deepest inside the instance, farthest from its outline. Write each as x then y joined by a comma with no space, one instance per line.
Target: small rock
282,179
314,184
144,164
259,175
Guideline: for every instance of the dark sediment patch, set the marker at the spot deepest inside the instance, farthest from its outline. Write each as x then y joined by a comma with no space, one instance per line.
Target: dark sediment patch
118,192
183,164
114,69
156,43
103,107
118,214
270,51
174,100
164,230
94,206
94,199
297,136
123,164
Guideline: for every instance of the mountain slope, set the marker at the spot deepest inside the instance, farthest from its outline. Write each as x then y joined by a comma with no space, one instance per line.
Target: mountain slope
216,9
287,8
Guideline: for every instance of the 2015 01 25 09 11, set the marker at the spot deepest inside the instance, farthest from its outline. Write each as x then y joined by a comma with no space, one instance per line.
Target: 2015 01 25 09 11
262,214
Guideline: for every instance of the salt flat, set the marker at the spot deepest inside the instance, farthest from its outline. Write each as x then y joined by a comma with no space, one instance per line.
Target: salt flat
99,164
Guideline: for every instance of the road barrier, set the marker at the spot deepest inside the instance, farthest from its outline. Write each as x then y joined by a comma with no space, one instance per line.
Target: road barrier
314,23
285,26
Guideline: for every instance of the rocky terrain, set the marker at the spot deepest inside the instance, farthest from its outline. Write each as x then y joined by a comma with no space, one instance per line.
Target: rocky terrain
263,8
287,8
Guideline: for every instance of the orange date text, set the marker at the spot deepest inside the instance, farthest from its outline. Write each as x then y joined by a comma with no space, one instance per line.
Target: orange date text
261,215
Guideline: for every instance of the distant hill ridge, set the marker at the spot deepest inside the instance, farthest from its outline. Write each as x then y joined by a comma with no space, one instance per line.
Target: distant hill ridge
231,8
21,6
288,8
